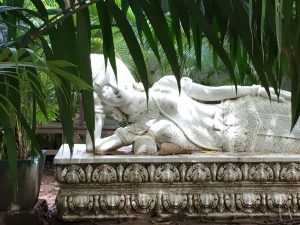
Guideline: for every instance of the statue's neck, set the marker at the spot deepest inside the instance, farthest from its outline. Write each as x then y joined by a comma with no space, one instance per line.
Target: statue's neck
136,104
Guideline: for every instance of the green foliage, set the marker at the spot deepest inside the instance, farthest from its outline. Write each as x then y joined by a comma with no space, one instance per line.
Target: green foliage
256,37
248,36
21,91
50,101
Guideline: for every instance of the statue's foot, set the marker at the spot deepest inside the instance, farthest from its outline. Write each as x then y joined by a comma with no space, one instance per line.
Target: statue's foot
145,145
172,149
145,150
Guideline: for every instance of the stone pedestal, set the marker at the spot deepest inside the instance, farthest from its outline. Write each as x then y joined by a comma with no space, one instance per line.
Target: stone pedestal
199,184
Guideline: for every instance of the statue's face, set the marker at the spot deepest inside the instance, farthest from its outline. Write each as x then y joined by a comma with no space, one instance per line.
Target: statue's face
113,92
115,96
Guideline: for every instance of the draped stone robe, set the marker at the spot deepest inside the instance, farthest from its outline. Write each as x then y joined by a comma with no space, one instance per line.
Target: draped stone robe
246,124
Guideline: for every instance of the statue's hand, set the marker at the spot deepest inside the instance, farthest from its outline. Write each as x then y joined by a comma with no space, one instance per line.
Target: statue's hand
258,90
102,145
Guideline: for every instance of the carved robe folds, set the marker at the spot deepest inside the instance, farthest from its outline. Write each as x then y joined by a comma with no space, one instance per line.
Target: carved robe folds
258,125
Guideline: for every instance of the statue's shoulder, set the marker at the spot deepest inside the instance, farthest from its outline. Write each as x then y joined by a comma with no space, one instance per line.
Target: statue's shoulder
166,80
168,84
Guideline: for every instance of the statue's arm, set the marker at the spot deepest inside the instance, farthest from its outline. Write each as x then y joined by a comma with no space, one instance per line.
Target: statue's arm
102,145
121,137
206,93
112,142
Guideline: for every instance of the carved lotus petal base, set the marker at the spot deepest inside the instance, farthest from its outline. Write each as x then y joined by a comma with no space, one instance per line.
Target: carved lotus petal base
219,185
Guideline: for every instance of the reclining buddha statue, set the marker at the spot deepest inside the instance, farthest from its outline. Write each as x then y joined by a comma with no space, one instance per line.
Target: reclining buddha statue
174,122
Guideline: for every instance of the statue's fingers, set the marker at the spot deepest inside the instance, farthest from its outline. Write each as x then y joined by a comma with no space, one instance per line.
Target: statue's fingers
280,99
285,92
142,150
286,95
275,98
272,92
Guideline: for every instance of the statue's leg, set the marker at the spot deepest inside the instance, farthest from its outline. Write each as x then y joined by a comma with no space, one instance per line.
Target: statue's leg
102,145
172,149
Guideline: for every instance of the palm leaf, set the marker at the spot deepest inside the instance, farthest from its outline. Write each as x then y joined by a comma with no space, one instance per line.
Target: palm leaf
131,41
84,62
156,17
142,26
204,26
105,20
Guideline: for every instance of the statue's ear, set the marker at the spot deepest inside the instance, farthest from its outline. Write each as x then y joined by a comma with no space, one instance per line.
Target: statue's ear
104,92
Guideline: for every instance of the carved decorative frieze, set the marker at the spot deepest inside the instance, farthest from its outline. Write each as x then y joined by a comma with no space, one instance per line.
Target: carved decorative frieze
261,172
174,203
112,203
120,170
230,202
170,173
143,203
167,173
198,173
80,204
73,174
276,171
202,203
88,171
245,171
290,173
279,202
206,202
104,174
110,190
135,173
229,173
248,202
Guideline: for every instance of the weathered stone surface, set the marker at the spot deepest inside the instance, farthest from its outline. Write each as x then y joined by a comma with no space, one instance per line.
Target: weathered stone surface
80,156
211,185
173,122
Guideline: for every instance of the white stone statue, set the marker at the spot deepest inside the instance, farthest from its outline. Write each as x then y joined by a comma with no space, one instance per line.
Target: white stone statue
180,123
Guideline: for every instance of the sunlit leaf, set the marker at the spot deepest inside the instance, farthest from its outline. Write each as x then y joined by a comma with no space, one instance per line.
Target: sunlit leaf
156,17
131,42
105,20
84,62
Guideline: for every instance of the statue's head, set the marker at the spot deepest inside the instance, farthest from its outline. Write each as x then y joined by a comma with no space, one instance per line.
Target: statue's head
113,92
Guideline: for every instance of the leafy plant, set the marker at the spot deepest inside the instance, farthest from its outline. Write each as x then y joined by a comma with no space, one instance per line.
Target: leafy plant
49,100
20,84
260,37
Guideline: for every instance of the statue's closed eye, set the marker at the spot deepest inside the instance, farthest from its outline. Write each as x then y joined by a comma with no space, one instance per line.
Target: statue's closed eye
117,93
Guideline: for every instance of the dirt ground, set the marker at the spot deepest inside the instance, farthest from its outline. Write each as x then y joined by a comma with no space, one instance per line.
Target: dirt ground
49,187
44,213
